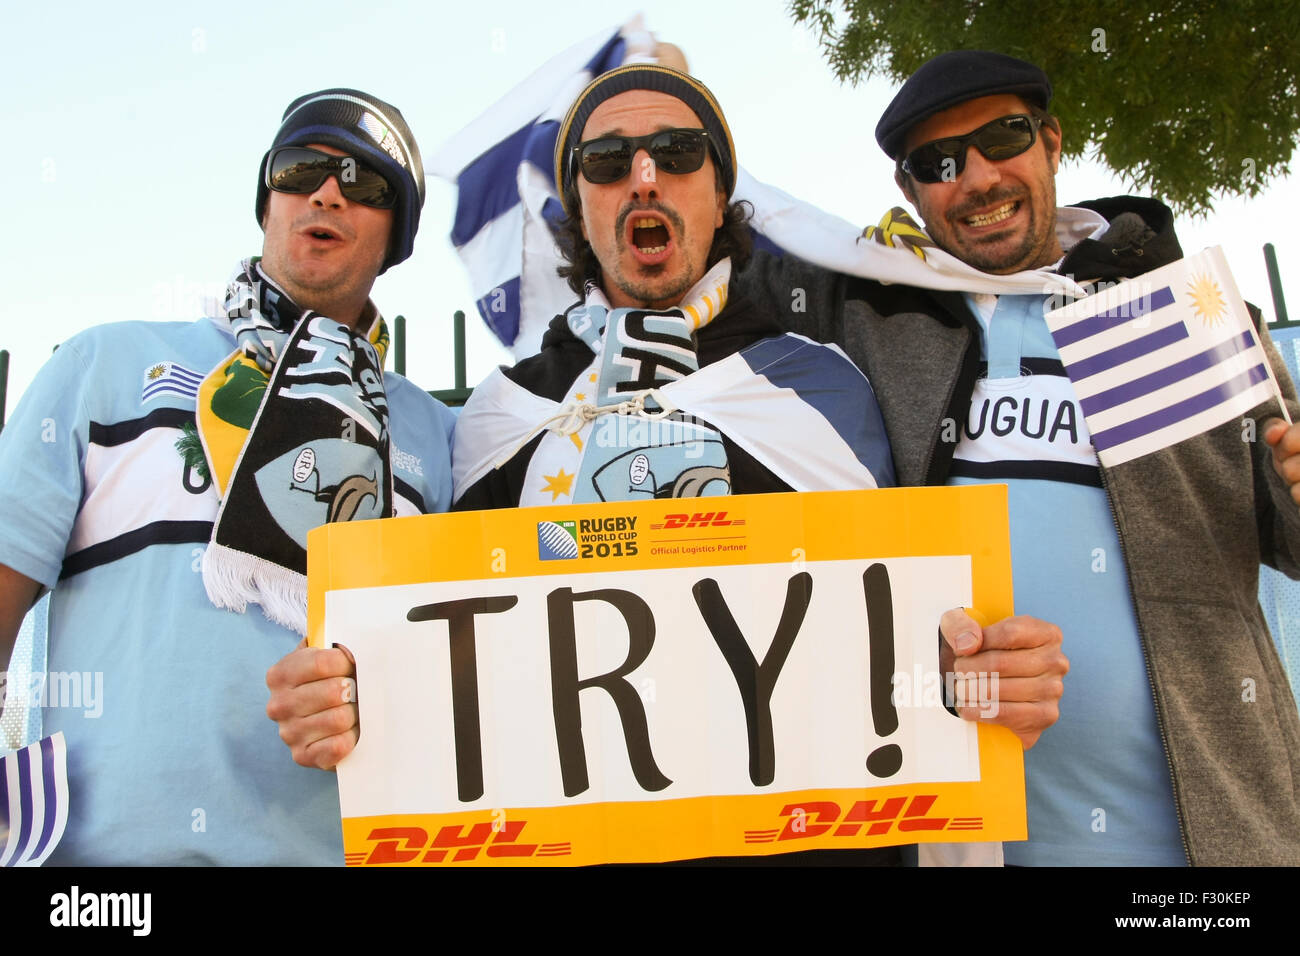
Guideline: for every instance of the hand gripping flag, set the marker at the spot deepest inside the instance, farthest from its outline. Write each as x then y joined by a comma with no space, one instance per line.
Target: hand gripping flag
1163,357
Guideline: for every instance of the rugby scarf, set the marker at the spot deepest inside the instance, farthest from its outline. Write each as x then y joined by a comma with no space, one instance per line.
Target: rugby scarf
636,352
294,431
801,410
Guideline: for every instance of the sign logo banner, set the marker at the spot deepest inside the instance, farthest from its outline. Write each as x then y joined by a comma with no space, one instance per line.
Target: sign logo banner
652,681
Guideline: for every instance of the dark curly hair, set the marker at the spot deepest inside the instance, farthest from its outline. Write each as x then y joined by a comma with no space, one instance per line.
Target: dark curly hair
733,239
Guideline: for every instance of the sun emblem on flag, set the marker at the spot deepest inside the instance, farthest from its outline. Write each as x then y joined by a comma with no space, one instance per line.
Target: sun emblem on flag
156,372
1207,300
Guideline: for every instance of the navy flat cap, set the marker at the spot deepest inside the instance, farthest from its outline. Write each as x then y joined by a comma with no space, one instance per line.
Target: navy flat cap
952,78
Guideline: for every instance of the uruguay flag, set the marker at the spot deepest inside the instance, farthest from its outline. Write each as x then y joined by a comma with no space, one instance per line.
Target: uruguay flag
1163,357
504,167
33,801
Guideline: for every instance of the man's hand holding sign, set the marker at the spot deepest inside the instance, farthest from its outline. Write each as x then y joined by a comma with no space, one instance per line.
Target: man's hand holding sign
313,699
1023,653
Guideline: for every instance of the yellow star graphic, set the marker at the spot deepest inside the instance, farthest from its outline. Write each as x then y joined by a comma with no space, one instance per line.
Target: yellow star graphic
561,484
580,396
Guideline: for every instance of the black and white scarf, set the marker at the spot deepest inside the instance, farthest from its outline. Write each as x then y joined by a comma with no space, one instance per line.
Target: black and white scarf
294,431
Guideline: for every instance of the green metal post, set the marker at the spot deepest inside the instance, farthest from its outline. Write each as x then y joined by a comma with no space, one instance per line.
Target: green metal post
399,344
457,395
458,343
1275,282
4,385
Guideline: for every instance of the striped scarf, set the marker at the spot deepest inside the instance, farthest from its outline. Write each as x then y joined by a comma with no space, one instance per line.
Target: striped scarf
622,443
294,433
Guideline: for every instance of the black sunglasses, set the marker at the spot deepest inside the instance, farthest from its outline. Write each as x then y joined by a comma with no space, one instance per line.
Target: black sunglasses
299,169
608,159
944,159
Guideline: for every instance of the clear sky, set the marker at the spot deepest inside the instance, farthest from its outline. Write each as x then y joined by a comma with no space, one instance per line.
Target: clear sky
135,130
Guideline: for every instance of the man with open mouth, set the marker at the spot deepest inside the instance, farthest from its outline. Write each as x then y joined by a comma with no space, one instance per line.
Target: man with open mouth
160,477
645,388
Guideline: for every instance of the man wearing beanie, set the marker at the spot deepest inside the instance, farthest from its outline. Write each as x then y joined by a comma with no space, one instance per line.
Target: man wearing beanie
645,166
161,477
646,386
1150,568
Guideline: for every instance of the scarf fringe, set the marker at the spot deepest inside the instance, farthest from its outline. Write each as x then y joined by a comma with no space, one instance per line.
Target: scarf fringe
235,579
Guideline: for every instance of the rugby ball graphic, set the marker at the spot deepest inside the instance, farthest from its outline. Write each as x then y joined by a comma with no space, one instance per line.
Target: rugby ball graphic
555,541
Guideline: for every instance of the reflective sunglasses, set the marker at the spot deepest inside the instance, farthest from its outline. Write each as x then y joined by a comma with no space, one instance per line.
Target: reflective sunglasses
1003,138
299,169
609,159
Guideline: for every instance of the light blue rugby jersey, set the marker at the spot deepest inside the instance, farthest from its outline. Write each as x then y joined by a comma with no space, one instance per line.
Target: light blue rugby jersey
181,764
1098,781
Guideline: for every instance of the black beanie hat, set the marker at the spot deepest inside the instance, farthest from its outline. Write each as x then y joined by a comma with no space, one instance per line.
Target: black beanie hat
952,78
659,79
374,132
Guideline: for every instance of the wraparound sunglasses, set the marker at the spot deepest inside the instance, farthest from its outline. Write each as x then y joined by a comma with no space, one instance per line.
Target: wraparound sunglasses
609,158
300,169
944,159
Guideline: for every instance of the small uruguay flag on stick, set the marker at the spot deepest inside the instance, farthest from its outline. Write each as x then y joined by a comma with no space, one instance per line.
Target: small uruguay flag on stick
33,801
1163,357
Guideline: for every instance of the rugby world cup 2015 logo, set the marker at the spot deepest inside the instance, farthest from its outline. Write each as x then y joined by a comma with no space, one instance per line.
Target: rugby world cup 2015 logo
557,540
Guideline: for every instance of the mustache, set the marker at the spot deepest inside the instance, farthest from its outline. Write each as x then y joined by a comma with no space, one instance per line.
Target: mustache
678,224
991,198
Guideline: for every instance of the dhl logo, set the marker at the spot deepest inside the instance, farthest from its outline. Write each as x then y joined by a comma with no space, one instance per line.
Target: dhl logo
817,818
411,845
700,519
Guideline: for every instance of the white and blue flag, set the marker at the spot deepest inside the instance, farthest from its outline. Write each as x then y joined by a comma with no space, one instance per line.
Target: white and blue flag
503,164
1163,357
170,378
33,801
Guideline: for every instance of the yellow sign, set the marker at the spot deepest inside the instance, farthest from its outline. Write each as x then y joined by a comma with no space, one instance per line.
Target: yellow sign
650,681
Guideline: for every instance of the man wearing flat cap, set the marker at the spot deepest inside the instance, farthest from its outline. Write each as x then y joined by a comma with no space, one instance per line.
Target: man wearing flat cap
161,477
1150,568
